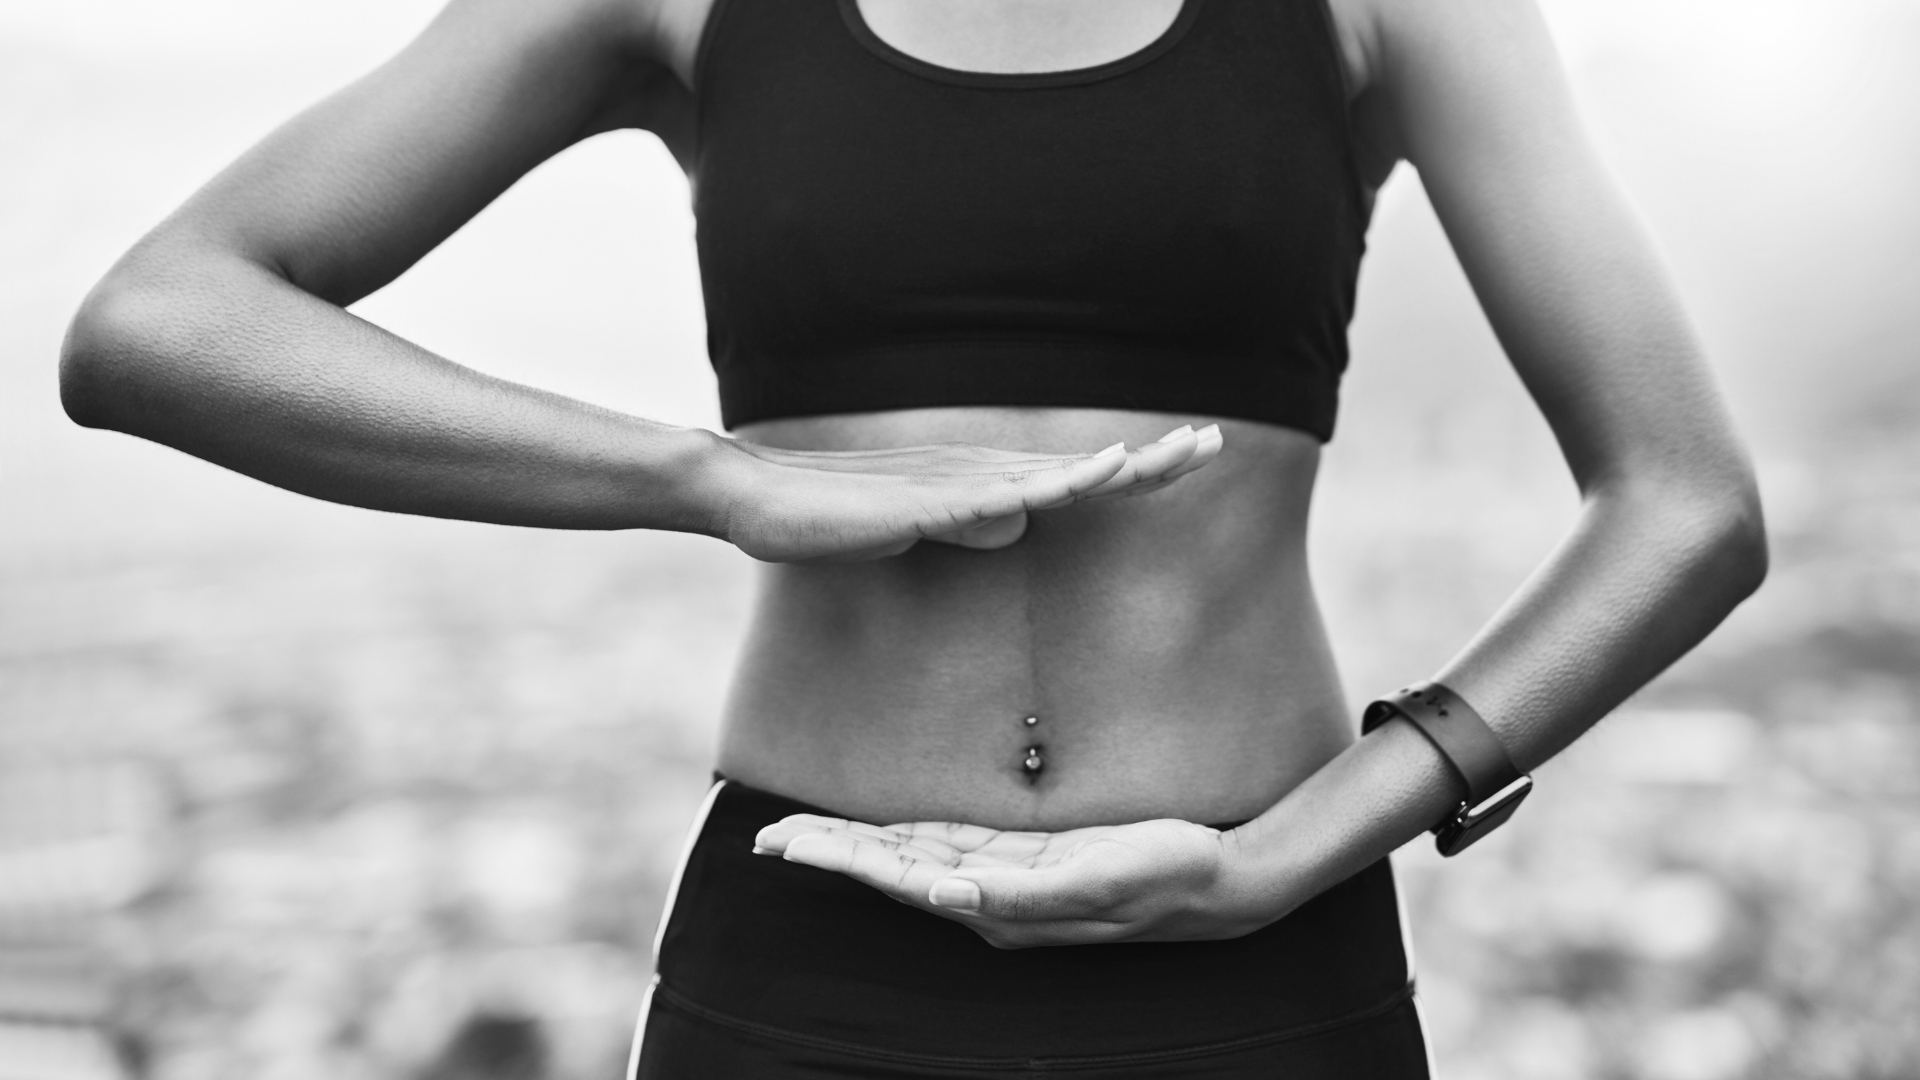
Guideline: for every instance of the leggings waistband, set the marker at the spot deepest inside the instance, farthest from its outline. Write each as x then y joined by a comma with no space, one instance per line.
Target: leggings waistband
794,949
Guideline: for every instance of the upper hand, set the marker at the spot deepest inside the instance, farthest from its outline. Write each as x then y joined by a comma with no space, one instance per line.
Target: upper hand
1163,880
796,506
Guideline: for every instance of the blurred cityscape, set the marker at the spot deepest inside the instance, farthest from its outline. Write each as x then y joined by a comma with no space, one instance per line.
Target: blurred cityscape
290,791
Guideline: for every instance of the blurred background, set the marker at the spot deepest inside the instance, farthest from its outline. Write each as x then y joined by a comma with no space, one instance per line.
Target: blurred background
289,790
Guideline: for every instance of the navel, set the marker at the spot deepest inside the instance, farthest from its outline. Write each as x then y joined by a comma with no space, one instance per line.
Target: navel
1033,760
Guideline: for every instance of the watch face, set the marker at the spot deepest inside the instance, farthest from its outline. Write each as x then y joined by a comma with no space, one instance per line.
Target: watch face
1474,822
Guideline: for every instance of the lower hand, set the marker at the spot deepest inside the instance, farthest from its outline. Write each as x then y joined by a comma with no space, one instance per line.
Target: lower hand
1163,880
800,506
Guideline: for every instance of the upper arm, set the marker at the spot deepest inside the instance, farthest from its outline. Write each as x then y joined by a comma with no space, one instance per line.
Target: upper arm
1473,95
347,195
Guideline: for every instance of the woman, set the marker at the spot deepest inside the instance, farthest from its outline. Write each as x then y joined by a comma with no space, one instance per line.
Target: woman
949,247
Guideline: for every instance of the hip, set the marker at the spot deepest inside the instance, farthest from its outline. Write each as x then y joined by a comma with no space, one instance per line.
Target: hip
795,965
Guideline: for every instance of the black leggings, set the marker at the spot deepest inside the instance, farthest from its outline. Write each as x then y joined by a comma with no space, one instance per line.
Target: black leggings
770,970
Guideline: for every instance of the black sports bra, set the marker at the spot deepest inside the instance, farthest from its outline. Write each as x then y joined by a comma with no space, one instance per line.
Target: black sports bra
1179,230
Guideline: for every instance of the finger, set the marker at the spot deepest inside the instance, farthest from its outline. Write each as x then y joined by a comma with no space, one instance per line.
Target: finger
884,551
926,849
1128,493
776,836
1159,459
1152,461
1209,445
988,535
956,834
919,847
958,844
1017,894
1017,491
955,459
1078,889
1149,461
899,874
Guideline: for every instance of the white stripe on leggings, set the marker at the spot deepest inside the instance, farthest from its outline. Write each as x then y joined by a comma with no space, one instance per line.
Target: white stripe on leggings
666,913
1406,946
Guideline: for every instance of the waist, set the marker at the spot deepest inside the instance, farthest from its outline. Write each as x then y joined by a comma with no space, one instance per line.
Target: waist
790,949
1159,656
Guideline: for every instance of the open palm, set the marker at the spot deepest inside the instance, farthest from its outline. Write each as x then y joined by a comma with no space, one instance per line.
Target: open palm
804,506
1146,881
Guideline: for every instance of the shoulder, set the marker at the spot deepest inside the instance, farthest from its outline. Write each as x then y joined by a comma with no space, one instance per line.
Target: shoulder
638,53
1446,71
661,33
649,29
1378,37
1356,37
674,28
1360,41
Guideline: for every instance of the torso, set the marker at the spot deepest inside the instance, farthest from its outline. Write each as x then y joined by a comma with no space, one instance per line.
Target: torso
1168,646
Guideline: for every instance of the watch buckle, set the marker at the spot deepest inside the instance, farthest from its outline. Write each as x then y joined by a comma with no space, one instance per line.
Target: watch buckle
1471,822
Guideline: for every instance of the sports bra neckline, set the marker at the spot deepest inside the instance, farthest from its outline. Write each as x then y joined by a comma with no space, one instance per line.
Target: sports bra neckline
856,23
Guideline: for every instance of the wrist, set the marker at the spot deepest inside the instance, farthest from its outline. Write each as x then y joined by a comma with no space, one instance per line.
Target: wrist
1378,794
1261,879
711,478
1495,786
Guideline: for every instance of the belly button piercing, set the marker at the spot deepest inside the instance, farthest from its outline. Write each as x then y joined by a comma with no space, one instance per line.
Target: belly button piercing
1031,721
1033,764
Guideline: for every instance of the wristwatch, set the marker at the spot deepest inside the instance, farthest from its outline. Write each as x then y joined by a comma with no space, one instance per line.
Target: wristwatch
1495,786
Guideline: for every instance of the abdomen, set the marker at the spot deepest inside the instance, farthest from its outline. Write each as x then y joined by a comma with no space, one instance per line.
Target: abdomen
1167,645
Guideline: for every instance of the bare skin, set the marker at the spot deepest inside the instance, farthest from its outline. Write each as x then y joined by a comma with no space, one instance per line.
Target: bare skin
1168,647
1010,36
1165,639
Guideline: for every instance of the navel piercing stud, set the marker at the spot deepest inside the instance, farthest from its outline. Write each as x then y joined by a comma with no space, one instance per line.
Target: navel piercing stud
1031,721
1033,764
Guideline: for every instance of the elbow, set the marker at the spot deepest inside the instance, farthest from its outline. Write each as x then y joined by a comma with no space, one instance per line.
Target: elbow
101,358
1727,530
1705,525
1741,540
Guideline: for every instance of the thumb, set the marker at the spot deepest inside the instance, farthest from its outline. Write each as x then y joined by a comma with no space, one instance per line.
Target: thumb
956,893
1020,895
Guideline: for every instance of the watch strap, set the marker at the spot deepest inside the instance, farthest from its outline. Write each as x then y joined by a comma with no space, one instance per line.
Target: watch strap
1462,737
1495,785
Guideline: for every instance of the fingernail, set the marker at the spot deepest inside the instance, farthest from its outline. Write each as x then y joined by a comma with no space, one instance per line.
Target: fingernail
798,846
956,893
1180,432
1116,448
758,850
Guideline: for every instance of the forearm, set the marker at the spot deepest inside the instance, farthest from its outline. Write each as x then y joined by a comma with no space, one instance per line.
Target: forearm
1381,792
1643,578
225,360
